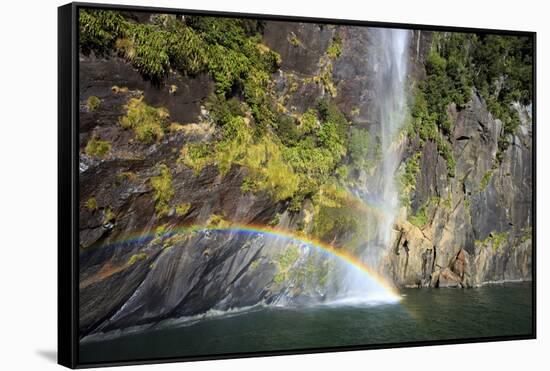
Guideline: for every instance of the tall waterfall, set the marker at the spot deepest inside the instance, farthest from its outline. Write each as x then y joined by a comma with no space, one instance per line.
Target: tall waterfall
388,59
391,63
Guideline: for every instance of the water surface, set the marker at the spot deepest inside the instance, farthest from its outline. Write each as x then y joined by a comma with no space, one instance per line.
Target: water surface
423,314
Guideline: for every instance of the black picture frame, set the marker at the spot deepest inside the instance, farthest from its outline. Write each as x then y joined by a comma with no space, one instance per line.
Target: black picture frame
68,182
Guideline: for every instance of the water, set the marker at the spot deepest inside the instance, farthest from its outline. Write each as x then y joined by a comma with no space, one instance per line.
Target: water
389,84
389,60
423,314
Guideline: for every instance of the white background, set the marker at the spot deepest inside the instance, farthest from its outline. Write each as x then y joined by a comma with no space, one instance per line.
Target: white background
28,183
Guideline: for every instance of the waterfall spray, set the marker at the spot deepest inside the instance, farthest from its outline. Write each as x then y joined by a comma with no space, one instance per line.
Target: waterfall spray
389,63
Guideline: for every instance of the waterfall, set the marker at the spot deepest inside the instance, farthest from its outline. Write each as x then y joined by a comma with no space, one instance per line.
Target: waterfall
390,100
388,59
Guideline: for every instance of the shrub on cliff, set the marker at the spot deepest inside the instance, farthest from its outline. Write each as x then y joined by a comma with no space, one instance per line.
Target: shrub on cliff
163,191
420,218
147,122
498,66
99,29
230,50
93,103
359,146
97,147
503,76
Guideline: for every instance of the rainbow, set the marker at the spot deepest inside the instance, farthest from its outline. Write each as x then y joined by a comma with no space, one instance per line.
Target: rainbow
300,238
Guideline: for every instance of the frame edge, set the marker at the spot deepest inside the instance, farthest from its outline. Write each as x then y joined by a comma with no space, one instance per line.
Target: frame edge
66,269
68,199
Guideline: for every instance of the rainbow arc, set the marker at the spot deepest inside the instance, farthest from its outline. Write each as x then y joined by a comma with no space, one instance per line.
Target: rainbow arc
299,239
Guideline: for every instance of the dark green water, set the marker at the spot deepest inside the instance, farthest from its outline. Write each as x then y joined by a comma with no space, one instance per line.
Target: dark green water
423,314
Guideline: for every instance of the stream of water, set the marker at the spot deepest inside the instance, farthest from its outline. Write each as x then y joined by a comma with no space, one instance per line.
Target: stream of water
389,61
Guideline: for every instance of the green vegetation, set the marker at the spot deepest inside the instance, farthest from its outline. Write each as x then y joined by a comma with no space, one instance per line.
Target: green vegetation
448,203
332,134
498,66
163,190
216,220
288,130
326,67
99,30
527,235
342,173
294,41
294,157
127,176
249,185
424,123
311,272
108,215
495,239
293,87
97,147
160,233
230,50
93,103
467,204
288,157
358,147
275,221
175,239
263,157
196,156
136,258
333,215
447,77
255,264
420,218
223,110
499,239
316,155
284,262
503,74
325,77
146,49
485,180
407,178
335,48
161,230
91,204
446,152
183,209
147,122
291,162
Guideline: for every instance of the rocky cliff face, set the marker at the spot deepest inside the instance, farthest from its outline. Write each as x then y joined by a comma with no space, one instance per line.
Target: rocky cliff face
490,206
476,226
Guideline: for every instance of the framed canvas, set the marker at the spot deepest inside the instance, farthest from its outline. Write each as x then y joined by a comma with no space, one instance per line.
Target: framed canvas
237,185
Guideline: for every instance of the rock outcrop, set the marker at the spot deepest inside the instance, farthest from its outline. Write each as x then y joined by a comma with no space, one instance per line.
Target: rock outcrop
490,206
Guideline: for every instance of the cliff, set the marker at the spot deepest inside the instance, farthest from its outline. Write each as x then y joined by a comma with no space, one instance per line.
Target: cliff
283,135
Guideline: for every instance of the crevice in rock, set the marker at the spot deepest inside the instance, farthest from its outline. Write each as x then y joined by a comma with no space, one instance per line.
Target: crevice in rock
406,248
